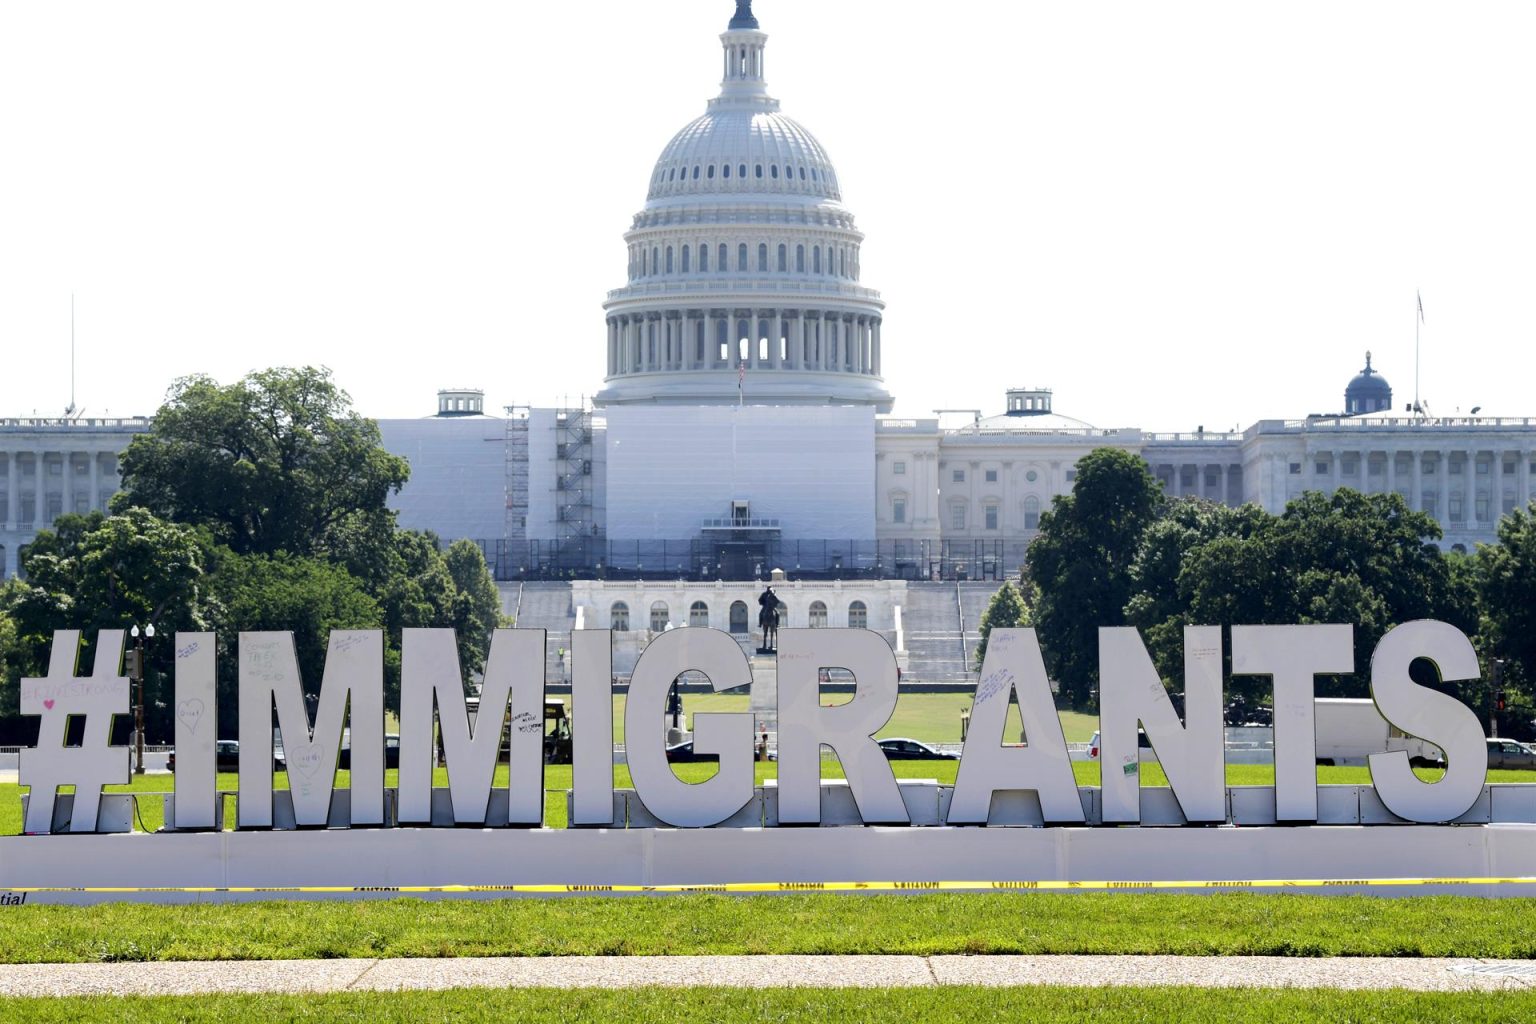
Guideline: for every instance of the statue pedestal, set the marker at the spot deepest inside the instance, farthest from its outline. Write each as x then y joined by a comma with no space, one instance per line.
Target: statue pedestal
765,694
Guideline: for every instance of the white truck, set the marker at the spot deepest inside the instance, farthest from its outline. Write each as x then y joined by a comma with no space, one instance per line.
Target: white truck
1349,730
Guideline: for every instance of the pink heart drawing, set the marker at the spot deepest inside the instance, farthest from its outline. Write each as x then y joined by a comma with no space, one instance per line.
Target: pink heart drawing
48,704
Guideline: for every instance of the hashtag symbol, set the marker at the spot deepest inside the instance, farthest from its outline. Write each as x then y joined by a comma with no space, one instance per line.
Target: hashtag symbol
58,697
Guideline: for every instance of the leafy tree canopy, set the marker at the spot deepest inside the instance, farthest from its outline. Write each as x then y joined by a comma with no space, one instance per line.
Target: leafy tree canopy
1081,563
1507,577
276,462
1006,610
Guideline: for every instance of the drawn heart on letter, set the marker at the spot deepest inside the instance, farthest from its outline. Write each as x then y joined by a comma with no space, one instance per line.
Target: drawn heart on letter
307,759
190,713
48,703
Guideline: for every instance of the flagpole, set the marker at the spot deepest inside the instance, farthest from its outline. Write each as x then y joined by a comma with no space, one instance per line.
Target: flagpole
1417,323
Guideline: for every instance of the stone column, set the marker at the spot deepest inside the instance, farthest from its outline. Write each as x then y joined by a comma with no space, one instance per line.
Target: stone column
1416,500
96,502
875,345
1221,483
1470,500
67,490
12,488
1443,492
1523,493
1391,471
40,491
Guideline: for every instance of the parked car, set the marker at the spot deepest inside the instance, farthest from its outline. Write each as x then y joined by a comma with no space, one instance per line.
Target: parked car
683,753
1141,742
391,753
899,749
226,756
1509,754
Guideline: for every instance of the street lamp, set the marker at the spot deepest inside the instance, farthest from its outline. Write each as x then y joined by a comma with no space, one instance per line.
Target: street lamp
136,675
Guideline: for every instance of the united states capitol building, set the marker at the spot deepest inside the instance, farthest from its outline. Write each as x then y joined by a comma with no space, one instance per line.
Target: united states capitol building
743,424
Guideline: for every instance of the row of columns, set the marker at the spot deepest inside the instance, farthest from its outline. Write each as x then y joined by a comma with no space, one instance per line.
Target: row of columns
1441,478
40,490
782,339
1175,488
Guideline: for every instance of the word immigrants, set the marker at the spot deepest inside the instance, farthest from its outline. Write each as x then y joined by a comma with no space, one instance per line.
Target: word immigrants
438,725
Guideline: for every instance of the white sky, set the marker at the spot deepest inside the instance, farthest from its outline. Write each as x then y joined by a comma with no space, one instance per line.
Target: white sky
1175,214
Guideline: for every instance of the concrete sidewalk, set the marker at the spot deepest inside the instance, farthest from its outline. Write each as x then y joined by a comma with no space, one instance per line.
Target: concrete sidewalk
1424,975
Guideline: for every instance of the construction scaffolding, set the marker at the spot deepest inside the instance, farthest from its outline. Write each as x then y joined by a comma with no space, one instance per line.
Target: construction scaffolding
574,519
515,529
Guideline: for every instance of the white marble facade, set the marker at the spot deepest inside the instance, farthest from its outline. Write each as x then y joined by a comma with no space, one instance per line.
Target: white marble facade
49,467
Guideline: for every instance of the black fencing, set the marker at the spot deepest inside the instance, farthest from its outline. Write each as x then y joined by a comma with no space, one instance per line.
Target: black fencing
706,559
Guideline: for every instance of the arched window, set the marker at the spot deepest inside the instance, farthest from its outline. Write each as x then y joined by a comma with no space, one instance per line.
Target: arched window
799,259
783,258
687,251
774,172
618,617
738,617
816,260
741,257
762,258
723,264
743,171
660,615
703,259
695,172
669,259
1031,513
858,615
725,172
698,614
709,172
759,170
818,615
842,263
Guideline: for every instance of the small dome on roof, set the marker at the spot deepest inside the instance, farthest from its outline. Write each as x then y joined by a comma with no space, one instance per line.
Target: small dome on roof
1368,392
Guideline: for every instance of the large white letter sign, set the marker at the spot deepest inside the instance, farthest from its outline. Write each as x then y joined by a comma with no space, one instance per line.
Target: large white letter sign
728,736
1191,754
1292,655
197,729
804,725
592,741
57,697
269,673
514,675
1013,666
1430,715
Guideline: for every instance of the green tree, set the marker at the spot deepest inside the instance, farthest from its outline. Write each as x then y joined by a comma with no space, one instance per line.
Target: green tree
1159,606
1006,610
1507,581
1346,557
1081,563
276,462
307,596
100,572
10,671
476,602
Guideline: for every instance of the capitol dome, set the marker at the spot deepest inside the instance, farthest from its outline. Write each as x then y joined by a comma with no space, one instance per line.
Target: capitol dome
739,150
743,270
1367,392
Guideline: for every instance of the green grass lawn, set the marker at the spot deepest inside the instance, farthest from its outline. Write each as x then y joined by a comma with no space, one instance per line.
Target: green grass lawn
1232,924
557,779
930,717
954,1005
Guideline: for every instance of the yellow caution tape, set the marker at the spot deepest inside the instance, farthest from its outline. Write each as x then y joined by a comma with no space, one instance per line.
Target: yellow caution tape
766,887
